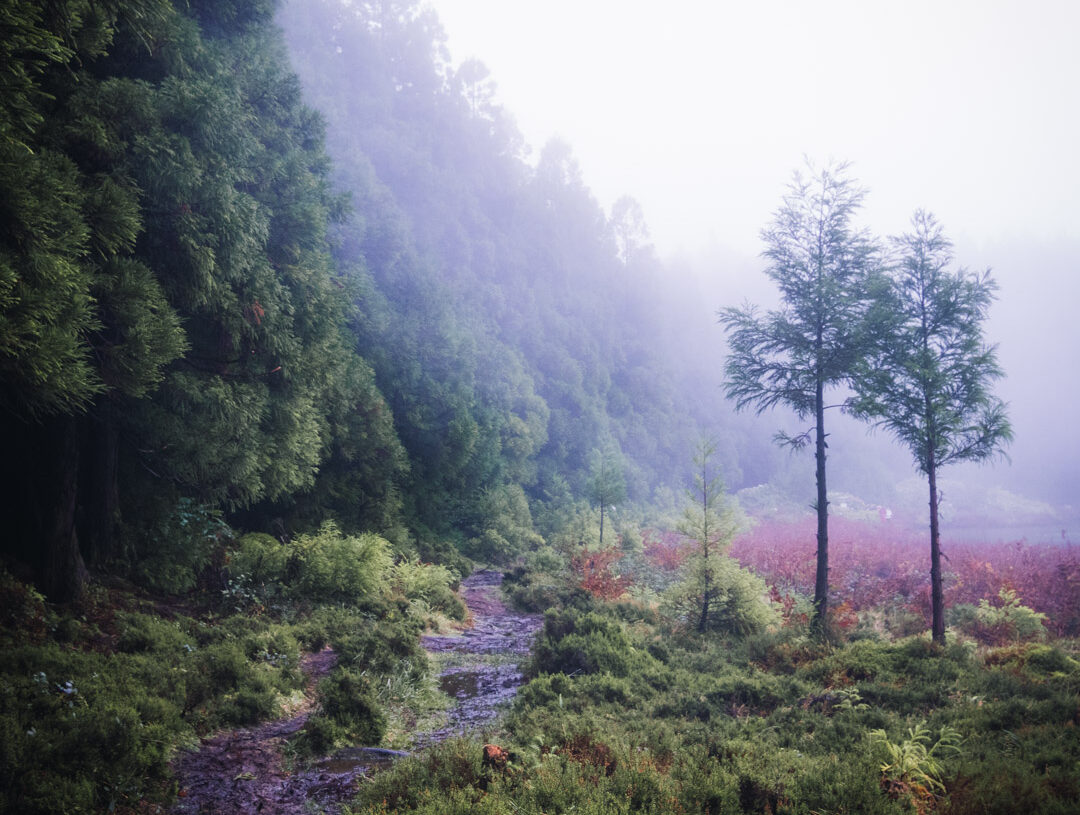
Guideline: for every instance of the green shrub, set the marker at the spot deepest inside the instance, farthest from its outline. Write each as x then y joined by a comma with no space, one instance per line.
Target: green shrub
24,617
331,567
348,712
444,553
738,601
142,633
572,643
1010,619
429,583
506,524
262,560
174,547
77,734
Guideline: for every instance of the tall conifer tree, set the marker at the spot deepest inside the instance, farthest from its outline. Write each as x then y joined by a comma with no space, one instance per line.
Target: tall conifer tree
928,377
795,355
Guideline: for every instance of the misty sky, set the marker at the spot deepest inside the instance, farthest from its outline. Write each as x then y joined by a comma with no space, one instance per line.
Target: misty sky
702,111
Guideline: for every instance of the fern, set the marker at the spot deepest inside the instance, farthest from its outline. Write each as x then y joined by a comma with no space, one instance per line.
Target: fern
914,767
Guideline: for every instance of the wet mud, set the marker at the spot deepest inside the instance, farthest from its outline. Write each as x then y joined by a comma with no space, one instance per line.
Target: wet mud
483,669
243,772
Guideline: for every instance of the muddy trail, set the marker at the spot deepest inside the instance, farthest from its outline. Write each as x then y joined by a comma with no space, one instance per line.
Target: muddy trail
243,772
481,666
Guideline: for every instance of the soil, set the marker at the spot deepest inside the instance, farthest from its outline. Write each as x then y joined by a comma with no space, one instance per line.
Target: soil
484,672
242,772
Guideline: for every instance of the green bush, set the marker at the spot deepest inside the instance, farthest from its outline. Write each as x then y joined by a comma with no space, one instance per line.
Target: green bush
430,584
1010,619
576,643
174,547
261,559
330,567
348,713
77,734
442,552
142,633
738,601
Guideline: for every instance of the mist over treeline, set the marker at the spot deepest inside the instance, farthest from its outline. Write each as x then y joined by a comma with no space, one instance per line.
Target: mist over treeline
551,309
512,223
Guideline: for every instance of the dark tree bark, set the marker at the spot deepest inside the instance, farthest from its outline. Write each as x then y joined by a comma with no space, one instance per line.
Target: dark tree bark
821,580
99,494
937,595
63,573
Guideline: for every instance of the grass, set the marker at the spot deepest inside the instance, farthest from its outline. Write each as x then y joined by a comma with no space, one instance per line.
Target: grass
626,711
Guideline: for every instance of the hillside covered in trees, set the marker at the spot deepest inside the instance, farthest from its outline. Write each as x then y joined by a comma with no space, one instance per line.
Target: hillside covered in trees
296,330
429,338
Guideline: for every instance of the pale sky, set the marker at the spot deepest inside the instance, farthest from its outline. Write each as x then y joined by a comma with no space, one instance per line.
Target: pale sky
702,110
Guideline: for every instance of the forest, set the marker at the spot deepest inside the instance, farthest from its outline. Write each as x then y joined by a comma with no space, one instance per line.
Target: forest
329,409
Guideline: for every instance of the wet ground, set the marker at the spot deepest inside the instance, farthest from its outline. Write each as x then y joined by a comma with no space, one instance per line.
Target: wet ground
243,773
482,665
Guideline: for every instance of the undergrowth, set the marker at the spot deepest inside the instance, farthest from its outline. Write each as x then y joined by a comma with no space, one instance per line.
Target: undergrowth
96,699
628,711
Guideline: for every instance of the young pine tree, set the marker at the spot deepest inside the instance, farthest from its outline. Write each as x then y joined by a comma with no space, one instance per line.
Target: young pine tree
711,523
928,377
794,356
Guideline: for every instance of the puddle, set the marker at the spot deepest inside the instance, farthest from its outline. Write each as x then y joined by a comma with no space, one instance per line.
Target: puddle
460,684
362,759
498,640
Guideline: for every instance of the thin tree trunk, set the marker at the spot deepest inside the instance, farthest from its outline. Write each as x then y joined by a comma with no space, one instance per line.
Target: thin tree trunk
821,581
937,597
64,574
601,524
703,623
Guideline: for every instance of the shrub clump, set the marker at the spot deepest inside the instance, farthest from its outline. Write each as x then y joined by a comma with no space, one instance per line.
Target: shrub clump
330,567
348,713
576,643
738,600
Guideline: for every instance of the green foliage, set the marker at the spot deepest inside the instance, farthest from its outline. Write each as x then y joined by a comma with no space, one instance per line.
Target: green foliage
792,356
738,599
90,730
714,589
927,374
175,548
348,713
263,560
607,482
1010,618
573,643
913,767
430,584
927,377
548,588
345,568
164,257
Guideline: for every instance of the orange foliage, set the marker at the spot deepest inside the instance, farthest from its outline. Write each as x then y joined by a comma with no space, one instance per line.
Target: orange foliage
596,575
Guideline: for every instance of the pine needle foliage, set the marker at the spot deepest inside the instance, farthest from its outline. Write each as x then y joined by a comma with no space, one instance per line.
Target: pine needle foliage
793,356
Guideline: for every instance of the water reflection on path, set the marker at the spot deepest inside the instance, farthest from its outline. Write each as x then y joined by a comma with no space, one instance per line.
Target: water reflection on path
483,670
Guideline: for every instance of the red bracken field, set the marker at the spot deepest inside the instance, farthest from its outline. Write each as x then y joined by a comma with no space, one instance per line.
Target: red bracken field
875,564
881,564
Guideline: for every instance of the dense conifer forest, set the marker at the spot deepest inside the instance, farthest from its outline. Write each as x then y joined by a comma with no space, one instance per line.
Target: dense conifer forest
297,332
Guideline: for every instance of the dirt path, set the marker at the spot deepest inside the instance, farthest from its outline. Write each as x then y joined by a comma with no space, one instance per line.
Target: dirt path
242,773
482,665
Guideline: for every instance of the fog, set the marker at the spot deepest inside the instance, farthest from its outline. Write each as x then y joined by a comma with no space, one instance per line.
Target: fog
701,113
